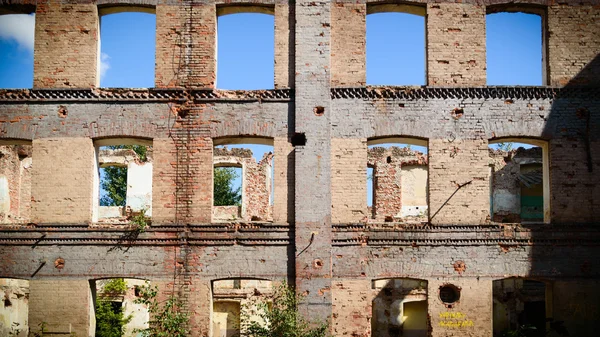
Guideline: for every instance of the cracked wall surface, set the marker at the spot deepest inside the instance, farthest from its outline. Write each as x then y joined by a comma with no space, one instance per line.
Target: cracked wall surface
320,120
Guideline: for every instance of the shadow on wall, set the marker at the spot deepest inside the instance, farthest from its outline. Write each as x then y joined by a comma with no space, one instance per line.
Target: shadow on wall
573,129
400,308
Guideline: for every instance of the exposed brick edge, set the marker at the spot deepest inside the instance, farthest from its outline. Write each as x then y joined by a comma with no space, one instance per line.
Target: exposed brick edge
413,93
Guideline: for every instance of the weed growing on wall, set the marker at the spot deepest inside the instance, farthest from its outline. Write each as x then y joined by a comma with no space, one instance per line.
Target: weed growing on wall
166,317
282,318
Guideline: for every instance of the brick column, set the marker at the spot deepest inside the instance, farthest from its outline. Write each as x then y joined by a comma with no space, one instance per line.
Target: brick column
182,175
455,45
186,45
284,45
348,180
63,180
348,43
283,201
313,162
66,45
454,164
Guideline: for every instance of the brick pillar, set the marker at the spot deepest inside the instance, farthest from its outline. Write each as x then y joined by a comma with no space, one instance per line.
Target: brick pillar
284,45
283,199
571,58
313,162
65,307
451,165
348,38
182,173
455,45
186,44
62,182
348,180
66,45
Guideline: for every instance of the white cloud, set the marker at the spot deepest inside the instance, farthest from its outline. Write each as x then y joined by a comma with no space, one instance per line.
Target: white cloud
104,64
18,27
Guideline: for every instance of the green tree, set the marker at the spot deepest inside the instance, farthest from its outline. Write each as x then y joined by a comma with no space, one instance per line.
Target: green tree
114,181
166,317
224,193
283,318
110,319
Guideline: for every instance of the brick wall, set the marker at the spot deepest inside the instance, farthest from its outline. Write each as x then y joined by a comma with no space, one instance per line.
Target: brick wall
66,45
455,45
454,164
348,180
348,38
573,43
63,306
186,45
62,180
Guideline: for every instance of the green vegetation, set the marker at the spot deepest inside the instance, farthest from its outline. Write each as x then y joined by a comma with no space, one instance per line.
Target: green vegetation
115,178
166,317
283,318
110,319
224,194
140,221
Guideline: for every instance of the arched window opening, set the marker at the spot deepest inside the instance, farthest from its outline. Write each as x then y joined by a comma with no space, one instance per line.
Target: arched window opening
395,45
243,182
116,306
127,47
399,308
245,48
397,177
17,33
124,180
16,167
236,303
520,304
14,307
515,49
519,182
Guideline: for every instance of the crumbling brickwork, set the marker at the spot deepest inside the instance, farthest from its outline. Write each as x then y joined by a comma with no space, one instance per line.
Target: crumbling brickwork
320,119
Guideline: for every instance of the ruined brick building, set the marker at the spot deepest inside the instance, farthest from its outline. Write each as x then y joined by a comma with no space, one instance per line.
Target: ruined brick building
487,239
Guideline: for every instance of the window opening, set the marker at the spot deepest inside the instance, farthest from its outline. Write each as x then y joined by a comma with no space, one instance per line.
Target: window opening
397,177
124,181
243,186
16,167
127,49
514,49
519,182
14,308
399,308
519,304
395,48
116,309
16,50
236,304
246,51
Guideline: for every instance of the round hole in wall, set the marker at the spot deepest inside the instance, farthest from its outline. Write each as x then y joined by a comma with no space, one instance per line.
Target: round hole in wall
319,110
389,159
449,293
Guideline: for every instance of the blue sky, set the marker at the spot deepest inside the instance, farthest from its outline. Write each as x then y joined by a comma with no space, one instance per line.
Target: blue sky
395,51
